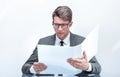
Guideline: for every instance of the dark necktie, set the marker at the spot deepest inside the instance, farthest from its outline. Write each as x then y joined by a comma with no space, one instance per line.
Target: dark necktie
61,43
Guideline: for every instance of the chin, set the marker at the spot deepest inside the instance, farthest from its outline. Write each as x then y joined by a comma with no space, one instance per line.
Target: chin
62,38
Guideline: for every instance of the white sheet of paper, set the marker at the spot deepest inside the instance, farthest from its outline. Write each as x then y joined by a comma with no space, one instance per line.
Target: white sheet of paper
90,44
55,57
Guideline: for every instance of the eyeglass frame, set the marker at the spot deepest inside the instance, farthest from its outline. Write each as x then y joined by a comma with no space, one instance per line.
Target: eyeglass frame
64,25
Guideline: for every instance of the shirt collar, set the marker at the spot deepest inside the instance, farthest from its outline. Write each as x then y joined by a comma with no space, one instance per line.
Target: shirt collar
66,40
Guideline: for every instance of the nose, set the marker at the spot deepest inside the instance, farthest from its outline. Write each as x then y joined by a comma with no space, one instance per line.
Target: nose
59,28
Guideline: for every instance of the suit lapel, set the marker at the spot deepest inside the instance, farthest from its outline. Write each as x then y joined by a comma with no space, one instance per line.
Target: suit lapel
72,40
52,40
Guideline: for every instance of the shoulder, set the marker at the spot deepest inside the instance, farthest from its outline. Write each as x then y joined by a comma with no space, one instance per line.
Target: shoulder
47,39
76,39
77,36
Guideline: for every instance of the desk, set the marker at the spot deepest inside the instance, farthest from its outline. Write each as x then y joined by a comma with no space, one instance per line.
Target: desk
24,75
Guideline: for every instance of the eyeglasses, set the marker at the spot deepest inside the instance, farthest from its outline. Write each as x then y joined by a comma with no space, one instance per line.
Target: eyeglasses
60,25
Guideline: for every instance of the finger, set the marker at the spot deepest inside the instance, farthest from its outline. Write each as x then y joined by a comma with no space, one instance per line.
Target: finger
69,60
39,69
42,64
76,60
77,65
42,68
84,55
39,66
36,63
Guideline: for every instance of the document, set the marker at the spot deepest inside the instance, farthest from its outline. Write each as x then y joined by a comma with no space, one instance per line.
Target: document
90,44
55,57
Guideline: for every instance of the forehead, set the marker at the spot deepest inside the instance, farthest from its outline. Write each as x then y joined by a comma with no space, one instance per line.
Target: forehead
59,20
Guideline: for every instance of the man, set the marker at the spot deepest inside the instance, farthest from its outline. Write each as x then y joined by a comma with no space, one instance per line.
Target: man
62,21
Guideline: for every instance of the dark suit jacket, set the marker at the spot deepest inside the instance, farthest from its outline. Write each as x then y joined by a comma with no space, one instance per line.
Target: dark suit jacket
50,40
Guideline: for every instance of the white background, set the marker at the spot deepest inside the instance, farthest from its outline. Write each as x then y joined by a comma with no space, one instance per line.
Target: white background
23,22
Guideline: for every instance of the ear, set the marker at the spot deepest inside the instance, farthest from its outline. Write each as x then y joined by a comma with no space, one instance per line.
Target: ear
70,24
52,22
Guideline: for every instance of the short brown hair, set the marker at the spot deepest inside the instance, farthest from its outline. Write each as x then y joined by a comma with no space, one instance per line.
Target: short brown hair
63,12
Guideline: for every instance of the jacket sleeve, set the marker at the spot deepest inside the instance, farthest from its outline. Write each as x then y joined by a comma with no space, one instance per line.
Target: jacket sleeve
33,58
96,67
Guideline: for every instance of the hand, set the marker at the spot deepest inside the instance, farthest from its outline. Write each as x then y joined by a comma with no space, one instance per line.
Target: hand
38,67
79,63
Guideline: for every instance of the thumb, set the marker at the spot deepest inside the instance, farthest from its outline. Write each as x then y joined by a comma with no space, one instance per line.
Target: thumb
84,55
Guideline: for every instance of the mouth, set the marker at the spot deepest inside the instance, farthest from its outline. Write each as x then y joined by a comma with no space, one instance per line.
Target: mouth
60,33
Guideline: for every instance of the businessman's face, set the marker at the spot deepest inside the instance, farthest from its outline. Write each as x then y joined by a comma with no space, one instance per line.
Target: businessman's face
61,27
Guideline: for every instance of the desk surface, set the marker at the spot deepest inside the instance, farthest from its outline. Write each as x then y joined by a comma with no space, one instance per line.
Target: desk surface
24,75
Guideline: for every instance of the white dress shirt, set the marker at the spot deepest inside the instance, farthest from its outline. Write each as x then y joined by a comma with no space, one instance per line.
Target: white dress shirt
66,41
